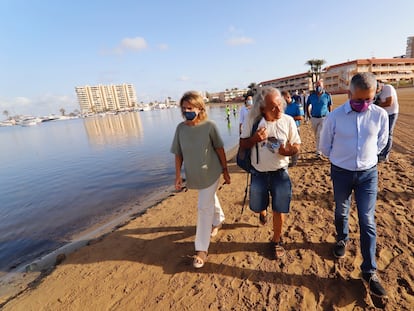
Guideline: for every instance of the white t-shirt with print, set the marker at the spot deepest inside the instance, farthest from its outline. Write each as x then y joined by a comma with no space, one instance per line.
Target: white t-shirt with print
282,130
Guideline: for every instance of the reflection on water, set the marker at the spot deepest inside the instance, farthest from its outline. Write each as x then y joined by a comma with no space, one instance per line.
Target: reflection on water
111,129
62,177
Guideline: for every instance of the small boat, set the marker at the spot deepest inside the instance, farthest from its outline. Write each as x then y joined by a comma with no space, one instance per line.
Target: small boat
8,123
29,121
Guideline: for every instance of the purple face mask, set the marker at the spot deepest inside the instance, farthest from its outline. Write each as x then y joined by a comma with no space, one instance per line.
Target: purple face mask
360,105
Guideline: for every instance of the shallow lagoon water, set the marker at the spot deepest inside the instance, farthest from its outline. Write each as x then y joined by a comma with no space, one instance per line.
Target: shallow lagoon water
60,178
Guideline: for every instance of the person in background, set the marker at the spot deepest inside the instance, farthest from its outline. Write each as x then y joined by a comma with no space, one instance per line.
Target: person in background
198,144
295,110
228,113
352,136
275,140
296,97
234,109
387,99
244,110
319,104
304,99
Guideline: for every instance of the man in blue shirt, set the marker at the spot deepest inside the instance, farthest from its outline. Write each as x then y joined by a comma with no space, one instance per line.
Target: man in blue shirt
295,110
319,104
352,136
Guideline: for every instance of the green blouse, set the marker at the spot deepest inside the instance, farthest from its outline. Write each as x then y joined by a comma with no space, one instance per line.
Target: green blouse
197,144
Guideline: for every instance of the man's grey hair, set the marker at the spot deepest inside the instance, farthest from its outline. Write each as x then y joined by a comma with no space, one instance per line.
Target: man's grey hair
363,81
259,101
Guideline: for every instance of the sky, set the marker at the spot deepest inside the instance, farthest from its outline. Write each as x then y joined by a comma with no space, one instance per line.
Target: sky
165,48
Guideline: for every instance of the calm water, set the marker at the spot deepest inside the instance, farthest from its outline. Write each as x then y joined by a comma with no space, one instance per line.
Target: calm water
60,178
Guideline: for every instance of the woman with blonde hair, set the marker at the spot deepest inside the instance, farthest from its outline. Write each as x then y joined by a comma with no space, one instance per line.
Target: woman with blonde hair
198,145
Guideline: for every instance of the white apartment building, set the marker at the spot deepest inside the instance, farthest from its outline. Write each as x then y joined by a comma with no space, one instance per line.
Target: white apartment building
102,98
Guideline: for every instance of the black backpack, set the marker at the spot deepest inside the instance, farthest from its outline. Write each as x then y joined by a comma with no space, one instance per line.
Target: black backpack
243,158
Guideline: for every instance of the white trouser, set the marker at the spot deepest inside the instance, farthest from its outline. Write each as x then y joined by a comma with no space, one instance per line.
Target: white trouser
209,214
317,127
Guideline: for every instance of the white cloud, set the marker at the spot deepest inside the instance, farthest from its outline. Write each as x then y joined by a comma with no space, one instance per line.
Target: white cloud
237,37
183,78
134,44
239,41
163,46
127,44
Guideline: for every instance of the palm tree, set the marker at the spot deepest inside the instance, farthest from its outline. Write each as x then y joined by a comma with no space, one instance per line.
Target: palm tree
62,111
316,68
6,113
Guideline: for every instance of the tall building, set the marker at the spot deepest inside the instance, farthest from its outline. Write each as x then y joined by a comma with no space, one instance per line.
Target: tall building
102,98
409,52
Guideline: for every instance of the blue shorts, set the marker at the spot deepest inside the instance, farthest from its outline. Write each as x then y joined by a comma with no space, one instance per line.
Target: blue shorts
277,184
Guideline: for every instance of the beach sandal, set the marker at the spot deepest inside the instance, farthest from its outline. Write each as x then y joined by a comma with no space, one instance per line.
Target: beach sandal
263,219
199,259
215,230
278,249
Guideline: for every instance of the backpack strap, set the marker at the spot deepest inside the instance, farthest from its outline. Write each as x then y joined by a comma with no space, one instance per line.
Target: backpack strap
254,129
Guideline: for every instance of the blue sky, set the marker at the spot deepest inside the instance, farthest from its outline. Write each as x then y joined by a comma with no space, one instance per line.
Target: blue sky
165,48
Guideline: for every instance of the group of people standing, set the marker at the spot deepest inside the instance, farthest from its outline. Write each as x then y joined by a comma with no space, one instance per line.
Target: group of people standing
353,137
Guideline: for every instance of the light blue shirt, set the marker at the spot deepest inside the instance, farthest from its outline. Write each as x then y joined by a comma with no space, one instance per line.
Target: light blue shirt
319,104
352,140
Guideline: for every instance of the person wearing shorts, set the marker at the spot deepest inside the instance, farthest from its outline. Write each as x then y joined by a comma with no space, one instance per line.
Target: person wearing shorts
275,140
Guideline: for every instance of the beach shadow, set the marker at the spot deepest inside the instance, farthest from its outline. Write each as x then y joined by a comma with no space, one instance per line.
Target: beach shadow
324,200
172,252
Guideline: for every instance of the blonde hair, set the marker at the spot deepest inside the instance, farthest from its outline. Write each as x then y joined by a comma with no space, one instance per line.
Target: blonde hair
195,99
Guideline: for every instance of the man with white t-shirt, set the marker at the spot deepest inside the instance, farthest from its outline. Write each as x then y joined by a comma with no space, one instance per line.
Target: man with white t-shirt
275,140
386,98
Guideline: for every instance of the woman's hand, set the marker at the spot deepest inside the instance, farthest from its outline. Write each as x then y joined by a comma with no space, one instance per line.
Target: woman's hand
226,176
178,183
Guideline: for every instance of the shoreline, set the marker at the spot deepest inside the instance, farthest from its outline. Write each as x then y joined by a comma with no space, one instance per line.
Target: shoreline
28,272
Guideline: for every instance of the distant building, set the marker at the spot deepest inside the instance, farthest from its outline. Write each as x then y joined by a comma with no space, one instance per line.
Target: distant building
298,82
228,95
337,77
393,70
102,98
409,52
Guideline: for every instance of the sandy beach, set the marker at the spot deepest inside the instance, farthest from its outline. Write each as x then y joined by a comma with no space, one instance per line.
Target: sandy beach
146,263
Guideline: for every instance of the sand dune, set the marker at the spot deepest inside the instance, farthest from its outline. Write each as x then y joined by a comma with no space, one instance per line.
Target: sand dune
146,264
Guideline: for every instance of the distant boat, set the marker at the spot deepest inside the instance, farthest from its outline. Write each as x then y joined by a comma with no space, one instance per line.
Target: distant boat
29,121
8,123
49,118
145,108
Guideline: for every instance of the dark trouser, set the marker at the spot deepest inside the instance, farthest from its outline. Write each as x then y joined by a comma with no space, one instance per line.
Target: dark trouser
385,153
295,157
364,184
